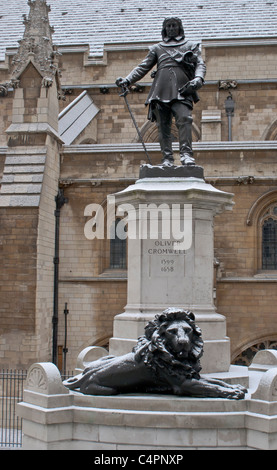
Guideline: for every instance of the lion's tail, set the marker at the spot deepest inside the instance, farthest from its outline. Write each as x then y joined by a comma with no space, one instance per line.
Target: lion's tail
93,367
74,382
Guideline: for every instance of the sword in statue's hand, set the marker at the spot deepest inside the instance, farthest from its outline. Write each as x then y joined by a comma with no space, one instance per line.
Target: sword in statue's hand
124,85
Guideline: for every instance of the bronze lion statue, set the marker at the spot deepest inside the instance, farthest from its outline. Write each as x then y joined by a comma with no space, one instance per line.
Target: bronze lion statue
165,360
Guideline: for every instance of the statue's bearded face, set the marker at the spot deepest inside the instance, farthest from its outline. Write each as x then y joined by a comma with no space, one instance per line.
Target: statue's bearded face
172,29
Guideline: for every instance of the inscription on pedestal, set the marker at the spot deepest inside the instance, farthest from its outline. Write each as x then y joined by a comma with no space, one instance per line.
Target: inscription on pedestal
165,259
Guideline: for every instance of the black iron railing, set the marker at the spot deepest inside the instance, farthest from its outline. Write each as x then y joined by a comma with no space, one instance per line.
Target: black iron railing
11,392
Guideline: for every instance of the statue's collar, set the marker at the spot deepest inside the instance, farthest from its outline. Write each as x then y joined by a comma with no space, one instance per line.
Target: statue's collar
173,42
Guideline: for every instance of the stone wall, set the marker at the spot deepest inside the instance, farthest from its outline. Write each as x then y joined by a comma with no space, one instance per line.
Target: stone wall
255,108
18,285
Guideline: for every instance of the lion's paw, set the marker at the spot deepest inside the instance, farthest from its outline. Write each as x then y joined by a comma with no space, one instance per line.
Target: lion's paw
236,393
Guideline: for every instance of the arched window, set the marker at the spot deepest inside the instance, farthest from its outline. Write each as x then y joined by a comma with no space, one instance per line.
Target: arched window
118,259
246,356
269,238
112,248
262,216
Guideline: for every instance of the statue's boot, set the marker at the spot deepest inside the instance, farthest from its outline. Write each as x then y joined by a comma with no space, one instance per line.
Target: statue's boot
184,125
166,148
187,160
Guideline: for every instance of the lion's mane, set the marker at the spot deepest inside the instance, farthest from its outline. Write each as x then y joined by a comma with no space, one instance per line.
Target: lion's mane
152,350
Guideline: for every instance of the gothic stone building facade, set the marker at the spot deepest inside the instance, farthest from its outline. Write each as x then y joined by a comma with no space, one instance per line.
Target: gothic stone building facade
67,141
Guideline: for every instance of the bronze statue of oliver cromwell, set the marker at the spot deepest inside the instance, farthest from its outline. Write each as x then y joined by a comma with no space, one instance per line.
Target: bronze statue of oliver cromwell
180,73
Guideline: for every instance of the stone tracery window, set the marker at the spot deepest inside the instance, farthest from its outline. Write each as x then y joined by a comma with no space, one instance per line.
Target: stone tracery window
245,358
268,226
262,216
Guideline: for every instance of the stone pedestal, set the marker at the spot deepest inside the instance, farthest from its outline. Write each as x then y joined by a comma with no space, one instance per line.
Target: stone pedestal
55,418
166,272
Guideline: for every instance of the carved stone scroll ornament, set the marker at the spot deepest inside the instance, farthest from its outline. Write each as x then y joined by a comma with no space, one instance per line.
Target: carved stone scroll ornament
5,87
267,388
3,90
165,360
246,180
47,82
227,84
36,379
45,378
